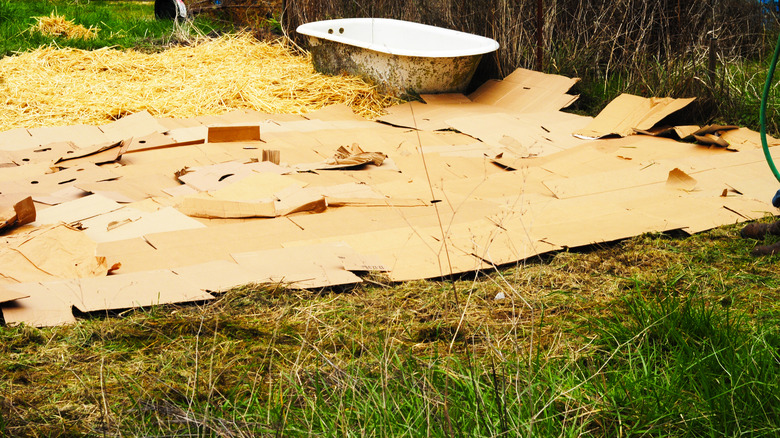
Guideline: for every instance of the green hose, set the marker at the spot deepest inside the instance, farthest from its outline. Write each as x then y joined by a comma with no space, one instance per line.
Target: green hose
762,115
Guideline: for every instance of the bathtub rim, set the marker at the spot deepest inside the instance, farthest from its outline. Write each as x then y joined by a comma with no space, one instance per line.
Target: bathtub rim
488,44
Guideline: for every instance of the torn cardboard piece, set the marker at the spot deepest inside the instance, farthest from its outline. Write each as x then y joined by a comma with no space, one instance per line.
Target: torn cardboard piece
628,113
49,253
78,210
50,303
229,134
37,308
224,209
349,157
127,223
300,267
680,180
527,91
21,213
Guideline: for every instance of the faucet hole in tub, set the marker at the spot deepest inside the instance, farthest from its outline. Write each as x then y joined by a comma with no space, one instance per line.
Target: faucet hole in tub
330,30
341,30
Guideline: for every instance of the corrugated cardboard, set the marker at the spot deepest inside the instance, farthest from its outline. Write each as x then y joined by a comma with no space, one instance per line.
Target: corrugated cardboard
300,267
527,91
223,134
47,253
628,113
20,213
439,204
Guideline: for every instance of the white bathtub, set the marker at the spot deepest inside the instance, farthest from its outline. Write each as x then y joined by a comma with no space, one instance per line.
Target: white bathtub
400,57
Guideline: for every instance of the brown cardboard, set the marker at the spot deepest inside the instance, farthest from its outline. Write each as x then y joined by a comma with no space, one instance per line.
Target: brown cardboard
299,225
40,308
433,116
300,267
680,180
527,91
48,253
224,134
8,294
133,125
333,113
216,276
126,291
21,213
628,113
220,208
128,222
77,210
743,139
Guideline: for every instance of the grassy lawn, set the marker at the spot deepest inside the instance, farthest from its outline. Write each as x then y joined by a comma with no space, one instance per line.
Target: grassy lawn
122,24
658,335
655,335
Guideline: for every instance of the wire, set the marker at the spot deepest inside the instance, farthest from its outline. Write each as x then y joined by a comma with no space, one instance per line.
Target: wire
762,114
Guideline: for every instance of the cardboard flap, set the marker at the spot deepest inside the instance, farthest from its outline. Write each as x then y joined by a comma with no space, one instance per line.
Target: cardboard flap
527,91
227,134
127,223
21,213
8,293
295,200
680,180
39,308
300,267
220,208
133,125
628,113
744,139
78,210
141,289
335,112
49,253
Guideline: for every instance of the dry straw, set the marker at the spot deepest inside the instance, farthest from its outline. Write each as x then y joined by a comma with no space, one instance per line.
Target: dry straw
57,25
51,86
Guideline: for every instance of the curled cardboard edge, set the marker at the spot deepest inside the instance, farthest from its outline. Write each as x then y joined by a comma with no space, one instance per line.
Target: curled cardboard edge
22,213
628,113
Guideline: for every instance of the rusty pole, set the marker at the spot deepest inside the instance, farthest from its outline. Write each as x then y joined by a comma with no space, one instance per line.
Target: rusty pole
539,34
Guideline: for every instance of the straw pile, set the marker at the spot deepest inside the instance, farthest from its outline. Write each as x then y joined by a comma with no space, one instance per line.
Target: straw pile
52,86
57,25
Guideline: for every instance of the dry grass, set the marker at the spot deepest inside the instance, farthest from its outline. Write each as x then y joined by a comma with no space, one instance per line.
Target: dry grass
51,86
57,25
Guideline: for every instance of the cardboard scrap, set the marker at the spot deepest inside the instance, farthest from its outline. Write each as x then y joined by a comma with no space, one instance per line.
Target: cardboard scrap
49,253
526,91
628,113
680,180
50,303
220,208
353,156
127,223
223,134
301,267
21,213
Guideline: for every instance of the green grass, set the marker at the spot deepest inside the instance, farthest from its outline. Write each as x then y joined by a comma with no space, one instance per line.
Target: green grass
122,24
656,335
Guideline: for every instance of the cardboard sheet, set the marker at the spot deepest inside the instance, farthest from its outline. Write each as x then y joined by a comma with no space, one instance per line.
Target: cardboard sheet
465,183
20,213
47,253
527,91
300,267
628,113
222,134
